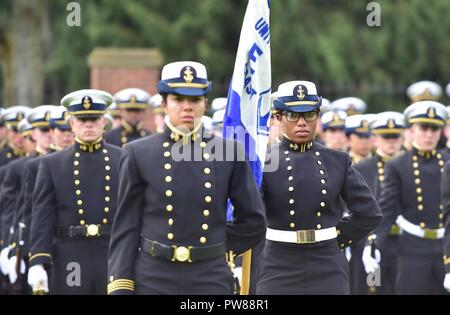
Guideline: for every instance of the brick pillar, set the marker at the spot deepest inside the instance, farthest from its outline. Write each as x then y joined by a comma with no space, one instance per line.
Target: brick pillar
114,69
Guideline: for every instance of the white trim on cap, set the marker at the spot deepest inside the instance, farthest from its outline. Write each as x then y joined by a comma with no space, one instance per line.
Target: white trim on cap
172,70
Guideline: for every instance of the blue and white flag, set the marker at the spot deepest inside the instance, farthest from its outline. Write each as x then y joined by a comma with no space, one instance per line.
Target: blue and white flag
247,113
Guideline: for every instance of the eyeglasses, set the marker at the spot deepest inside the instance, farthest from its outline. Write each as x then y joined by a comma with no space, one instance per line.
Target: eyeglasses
295,116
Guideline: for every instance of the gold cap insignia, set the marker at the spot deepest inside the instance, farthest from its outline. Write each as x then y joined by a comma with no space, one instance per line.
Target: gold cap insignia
47,116
351,110
431,112
87,102
188,74
20,116
300,91
364,124
133,99
391,123
336,118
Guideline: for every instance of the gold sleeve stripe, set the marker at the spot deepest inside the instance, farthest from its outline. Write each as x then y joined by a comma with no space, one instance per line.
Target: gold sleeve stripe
126,281
121,284
40,255
111,285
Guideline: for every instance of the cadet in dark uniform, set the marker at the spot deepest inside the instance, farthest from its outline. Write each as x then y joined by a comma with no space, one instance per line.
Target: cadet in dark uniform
307,230
132,104
411,197
74,202
62,134
421,91
359,140
13,150
11,188
114,111
41,119
333,130
446,203
387,129
174,209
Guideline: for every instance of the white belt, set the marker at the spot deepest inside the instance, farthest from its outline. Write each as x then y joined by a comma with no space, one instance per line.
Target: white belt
411,228
302,236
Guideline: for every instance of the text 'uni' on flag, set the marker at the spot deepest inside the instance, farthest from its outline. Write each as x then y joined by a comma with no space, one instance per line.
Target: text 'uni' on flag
247,113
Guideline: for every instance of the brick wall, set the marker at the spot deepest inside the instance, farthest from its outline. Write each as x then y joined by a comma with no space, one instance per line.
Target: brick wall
114,69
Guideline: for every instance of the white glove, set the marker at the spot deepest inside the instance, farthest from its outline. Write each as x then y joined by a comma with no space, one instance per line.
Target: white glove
447,282
12,269
37,279
4,260
348,253
238,273
371,264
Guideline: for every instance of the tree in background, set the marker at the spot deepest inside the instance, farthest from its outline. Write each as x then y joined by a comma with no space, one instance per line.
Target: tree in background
21,52
325,41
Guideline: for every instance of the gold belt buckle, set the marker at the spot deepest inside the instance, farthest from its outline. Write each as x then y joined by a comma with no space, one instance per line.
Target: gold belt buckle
306,236
430,234
92,230
181,253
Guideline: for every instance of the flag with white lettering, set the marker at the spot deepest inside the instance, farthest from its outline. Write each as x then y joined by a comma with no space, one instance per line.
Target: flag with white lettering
247,113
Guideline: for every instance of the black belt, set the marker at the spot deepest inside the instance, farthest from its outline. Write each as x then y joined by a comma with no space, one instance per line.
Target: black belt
83,231
182,253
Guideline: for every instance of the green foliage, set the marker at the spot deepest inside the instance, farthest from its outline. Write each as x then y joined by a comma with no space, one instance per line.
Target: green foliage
324,41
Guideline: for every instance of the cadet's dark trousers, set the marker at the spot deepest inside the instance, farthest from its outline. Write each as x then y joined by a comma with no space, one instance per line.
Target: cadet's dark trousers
420,269
303,269
155,276
358,283
389,252
79,267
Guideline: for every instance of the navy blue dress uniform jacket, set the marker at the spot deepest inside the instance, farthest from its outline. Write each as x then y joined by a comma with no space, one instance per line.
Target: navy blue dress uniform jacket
306,192
7,155
181,203
413,189
25,202
319,178
76,187
11,190
446,204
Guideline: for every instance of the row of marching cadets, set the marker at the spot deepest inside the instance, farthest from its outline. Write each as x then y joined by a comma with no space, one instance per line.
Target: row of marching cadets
34,133
401,157
89,217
